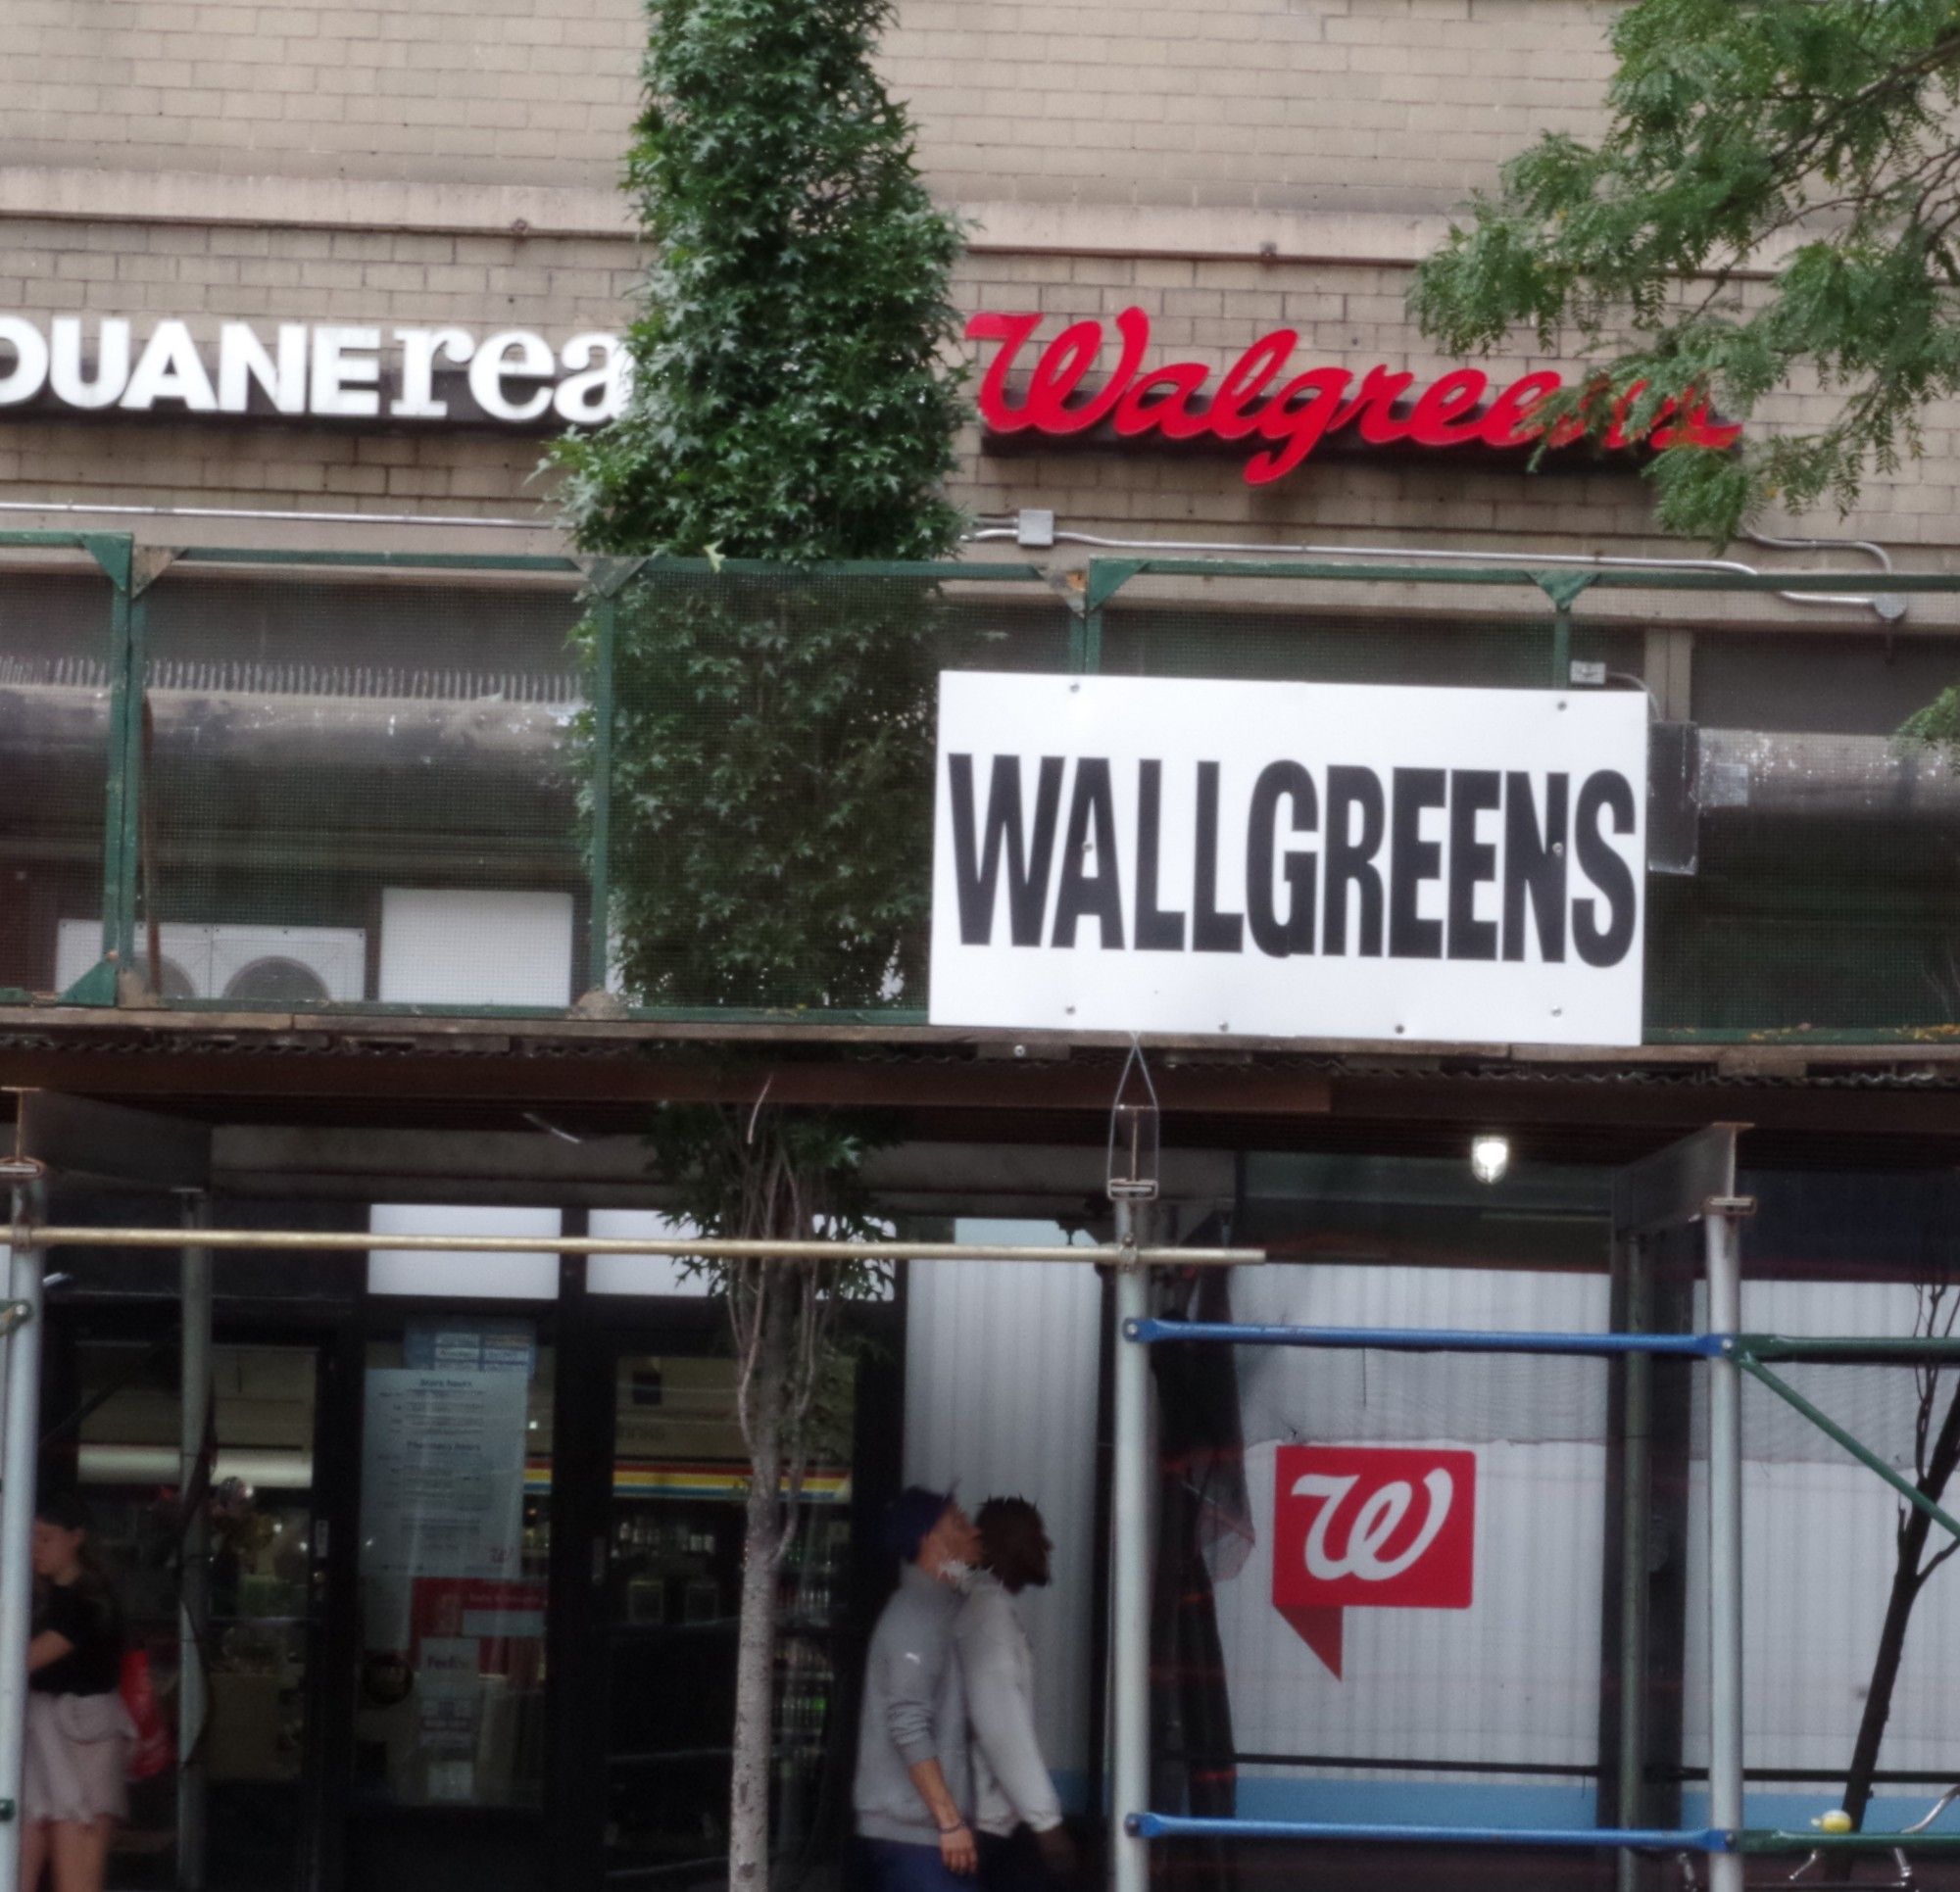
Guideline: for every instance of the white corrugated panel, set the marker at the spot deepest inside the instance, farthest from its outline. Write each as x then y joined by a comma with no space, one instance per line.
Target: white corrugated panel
1818,1555
1516,1676
1001,1395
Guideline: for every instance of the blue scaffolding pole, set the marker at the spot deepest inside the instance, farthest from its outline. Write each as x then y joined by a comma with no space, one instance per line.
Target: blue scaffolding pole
1713,1203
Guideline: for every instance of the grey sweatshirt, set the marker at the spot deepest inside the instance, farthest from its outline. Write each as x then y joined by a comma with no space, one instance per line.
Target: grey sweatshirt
914,1709
1010,1780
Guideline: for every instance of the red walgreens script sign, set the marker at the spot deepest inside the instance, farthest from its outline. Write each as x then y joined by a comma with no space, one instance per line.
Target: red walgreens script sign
1281,417
1385,1529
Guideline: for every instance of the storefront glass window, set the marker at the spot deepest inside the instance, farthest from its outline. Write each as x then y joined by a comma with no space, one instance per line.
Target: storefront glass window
454,1485
261,1642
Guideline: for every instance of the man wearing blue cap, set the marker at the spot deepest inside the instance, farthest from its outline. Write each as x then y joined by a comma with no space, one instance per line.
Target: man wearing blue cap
913,1786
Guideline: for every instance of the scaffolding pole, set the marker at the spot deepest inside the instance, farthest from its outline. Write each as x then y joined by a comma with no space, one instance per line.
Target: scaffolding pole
18,1444
1130,1574
1721,1235
194,1413
703,1247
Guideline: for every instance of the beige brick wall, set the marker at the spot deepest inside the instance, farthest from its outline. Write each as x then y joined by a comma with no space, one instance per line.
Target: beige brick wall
531,91
1111,154
1273,104
1281,105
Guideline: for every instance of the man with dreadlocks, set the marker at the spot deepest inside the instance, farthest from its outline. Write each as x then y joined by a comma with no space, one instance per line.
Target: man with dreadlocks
1023,1845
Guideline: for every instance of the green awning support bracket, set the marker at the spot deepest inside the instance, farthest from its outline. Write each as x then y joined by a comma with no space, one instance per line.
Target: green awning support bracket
609,577
95,987
1834,1431
1563,588
148,563
1107,577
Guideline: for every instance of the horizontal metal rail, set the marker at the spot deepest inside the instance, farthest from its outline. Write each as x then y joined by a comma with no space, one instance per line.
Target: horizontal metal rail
1840,1348
702,1247
1420,1339
1758,1840
1637,1839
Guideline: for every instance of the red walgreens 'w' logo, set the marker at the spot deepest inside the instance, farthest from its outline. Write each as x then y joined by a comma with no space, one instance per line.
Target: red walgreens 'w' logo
1386,1528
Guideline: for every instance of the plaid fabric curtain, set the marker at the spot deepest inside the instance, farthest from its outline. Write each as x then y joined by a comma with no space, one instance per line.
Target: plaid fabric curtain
1203,1531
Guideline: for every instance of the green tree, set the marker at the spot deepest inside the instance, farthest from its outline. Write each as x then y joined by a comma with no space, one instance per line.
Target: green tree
794,400
1808,138
1775,200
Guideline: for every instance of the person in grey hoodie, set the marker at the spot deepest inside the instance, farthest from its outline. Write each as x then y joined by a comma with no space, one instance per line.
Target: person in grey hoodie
913,1786
1024,1847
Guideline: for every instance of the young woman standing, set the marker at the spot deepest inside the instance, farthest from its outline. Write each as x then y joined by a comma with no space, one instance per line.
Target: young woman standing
78,1732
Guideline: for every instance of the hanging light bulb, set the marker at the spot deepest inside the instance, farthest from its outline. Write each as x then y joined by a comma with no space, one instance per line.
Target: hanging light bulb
1490,1156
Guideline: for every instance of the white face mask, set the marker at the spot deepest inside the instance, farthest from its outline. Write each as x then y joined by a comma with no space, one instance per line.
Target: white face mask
956,1576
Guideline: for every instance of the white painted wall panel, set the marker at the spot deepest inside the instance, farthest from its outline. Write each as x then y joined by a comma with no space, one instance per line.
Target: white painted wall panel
1001,1395
474,947
488,1273
639,1273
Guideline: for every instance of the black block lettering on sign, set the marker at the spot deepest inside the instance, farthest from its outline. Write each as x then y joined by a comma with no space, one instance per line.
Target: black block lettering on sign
1276,937
976,870
1606,792
1212,931
1158,929
1350,859
1472,863
1080,893
1535,866
1414,862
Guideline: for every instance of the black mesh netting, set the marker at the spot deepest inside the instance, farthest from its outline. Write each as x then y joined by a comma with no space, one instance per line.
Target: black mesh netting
55,655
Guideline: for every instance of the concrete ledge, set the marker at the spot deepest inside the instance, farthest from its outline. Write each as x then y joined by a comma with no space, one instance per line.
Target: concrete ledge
1214,235
87,195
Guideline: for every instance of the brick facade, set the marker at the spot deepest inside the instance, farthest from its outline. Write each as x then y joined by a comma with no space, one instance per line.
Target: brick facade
1227,168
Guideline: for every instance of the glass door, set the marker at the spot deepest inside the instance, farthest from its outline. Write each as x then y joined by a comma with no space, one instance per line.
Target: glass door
261,1649
454,1568
671,1555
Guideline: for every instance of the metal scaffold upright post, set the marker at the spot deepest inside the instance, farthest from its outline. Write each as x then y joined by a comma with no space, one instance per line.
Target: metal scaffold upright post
1130,1603
1723,1246
20,1414
1132,1184
194,1439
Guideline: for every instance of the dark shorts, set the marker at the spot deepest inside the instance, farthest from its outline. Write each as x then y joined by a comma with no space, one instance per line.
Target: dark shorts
891,1866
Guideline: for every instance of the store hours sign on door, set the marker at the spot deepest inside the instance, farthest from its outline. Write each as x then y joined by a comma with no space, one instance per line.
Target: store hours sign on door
1289,860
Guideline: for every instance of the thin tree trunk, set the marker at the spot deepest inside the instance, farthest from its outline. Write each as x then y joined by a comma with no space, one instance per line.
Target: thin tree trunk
1909,1577
1885,1669
756,1649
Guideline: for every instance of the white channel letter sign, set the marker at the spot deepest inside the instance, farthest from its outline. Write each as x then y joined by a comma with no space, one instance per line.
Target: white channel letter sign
1290,859
323,370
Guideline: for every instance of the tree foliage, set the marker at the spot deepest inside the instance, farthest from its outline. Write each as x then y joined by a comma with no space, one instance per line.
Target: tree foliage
1811,139
771,789
793,402
789,396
